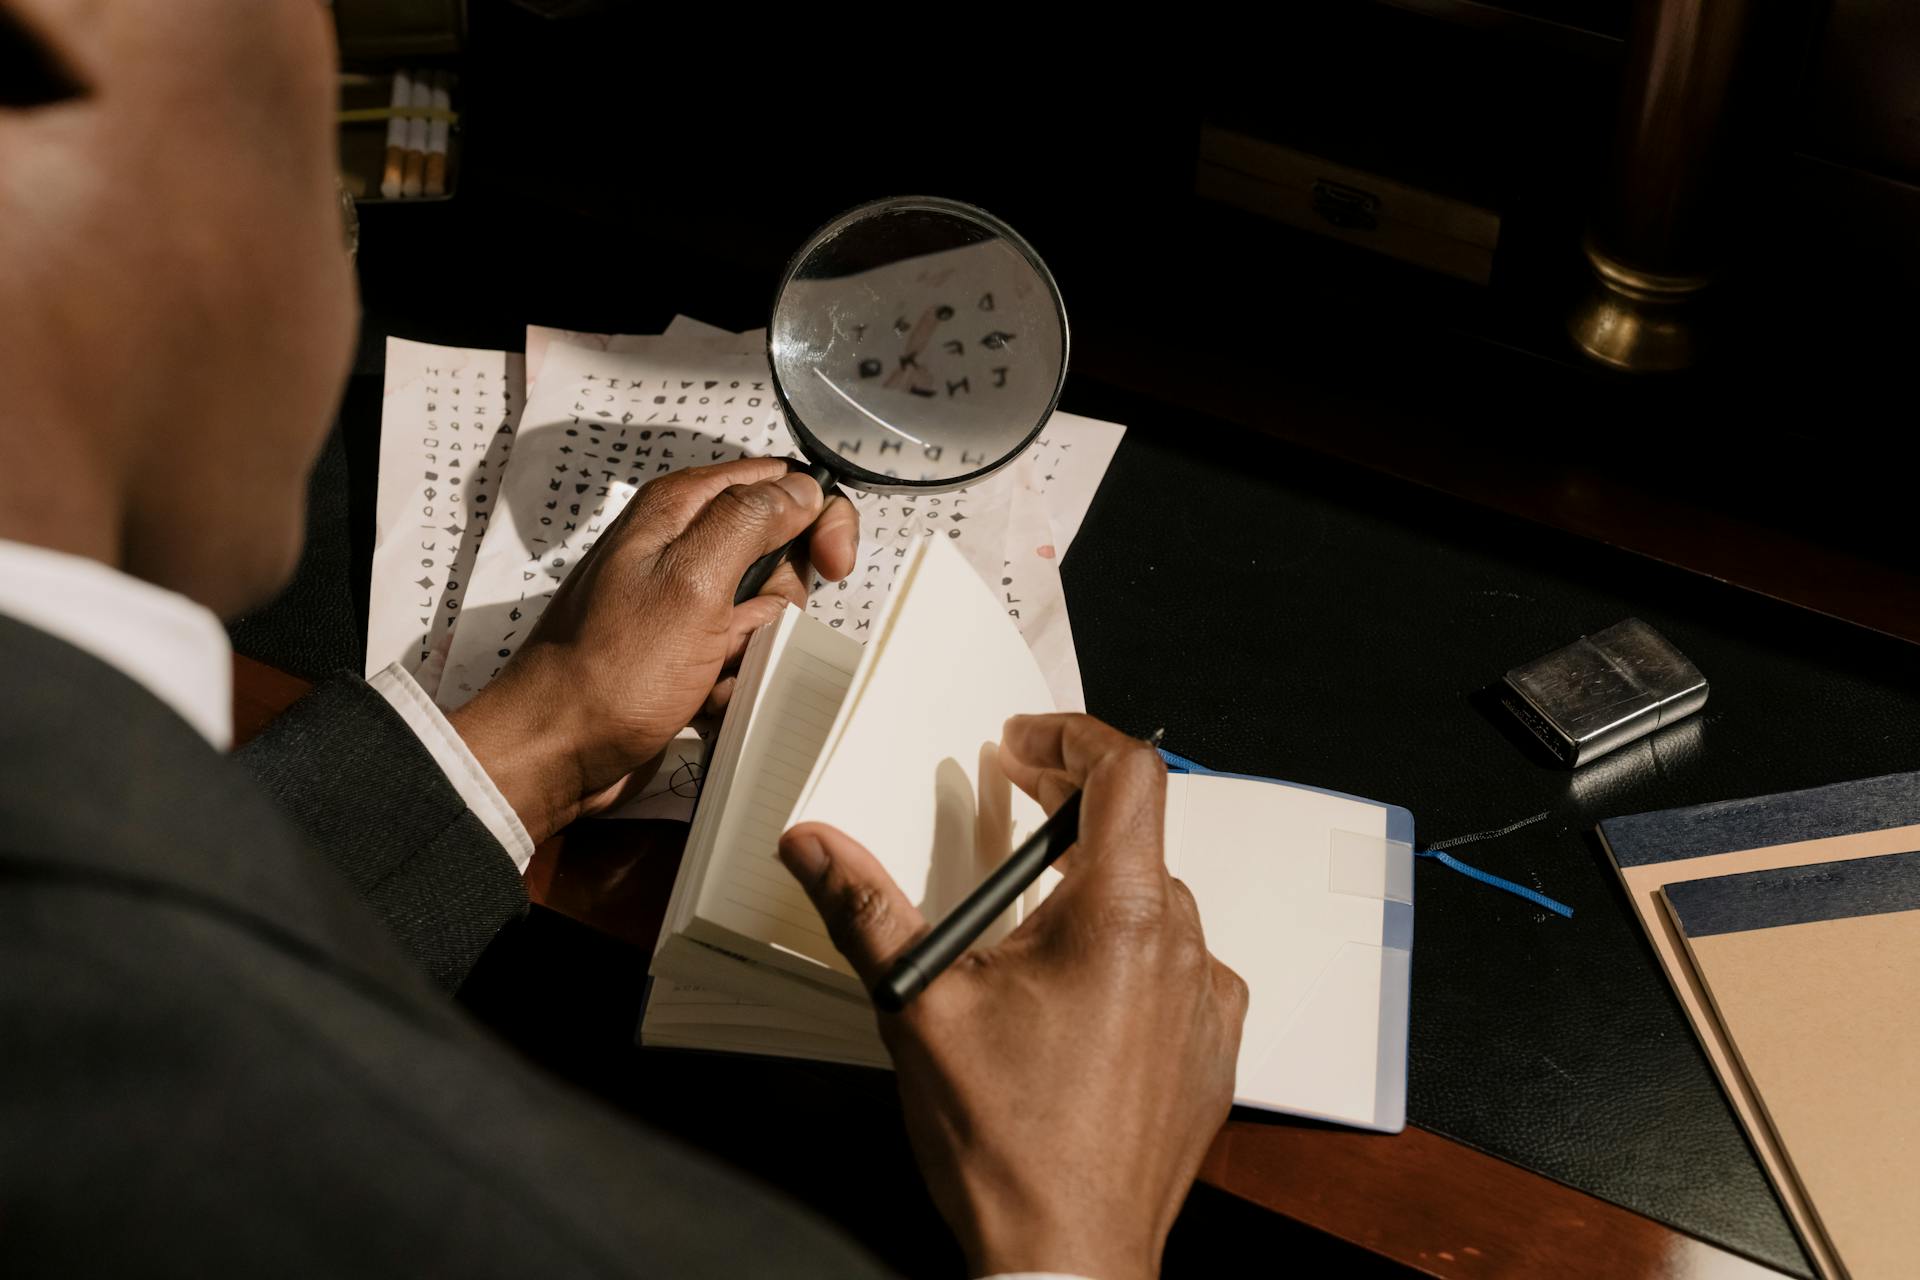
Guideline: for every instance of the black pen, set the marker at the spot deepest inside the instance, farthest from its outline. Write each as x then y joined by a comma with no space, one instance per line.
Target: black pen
928,958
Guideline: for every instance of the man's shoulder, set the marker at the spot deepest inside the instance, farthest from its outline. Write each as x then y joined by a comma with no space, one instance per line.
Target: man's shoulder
172,1058
242,1105
108,791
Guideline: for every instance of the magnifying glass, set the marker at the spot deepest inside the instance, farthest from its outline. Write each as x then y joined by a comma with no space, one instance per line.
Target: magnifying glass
917,345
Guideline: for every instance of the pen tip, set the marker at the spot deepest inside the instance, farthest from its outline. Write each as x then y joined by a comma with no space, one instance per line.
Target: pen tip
1153,739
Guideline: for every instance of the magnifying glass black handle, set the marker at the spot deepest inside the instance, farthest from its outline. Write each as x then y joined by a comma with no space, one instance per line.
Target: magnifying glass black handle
755,578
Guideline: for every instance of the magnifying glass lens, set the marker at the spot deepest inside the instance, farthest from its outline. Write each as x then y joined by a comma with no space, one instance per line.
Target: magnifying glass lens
917,343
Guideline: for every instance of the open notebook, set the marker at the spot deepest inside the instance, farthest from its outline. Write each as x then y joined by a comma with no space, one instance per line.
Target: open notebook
1306,893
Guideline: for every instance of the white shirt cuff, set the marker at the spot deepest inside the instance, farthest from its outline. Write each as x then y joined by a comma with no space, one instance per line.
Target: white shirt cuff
405,695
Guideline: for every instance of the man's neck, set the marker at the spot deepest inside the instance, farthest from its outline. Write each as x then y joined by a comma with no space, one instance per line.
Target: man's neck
54,497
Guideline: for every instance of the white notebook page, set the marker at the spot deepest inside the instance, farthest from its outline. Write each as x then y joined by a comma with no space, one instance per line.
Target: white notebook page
746,890
912,770
1273,870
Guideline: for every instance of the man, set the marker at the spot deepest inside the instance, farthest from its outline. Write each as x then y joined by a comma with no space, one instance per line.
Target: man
225,1042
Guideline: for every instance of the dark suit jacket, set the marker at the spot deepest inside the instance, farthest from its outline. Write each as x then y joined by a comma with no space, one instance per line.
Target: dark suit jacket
226,1043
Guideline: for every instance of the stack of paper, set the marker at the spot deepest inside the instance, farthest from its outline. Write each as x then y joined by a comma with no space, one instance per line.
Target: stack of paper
498,471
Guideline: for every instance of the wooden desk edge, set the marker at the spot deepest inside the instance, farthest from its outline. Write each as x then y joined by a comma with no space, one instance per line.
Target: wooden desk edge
1418,1198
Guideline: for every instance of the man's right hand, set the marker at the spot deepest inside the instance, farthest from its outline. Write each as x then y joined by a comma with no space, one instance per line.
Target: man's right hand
1062,1087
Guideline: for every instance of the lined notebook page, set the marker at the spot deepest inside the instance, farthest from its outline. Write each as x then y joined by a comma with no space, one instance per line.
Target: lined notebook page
746,890
755,665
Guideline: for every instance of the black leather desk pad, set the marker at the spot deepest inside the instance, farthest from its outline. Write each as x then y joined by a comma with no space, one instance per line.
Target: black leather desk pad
1287,617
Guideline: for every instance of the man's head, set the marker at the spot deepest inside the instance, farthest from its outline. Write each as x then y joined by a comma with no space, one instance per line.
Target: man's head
176,305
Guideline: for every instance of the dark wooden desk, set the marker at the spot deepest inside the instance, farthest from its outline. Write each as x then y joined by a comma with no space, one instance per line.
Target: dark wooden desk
1417,1198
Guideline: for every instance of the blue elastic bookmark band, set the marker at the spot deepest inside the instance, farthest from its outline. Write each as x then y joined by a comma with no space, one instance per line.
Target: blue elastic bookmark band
1180,764
1487,877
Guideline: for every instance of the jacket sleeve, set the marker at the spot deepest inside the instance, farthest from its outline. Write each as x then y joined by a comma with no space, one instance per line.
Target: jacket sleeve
346,769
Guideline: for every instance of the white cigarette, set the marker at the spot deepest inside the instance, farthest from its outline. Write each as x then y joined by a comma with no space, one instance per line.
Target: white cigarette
415,176
391,176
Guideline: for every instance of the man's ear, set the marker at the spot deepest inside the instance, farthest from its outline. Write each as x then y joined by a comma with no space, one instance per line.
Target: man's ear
32,73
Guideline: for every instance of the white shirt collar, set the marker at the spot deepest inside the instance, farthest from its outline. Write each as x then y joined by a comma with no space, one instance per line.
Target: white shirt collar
175,648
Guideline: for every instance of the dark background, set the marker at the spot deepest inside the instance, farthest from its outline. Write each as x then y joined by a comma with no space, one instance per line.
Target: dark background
1293,564
636,160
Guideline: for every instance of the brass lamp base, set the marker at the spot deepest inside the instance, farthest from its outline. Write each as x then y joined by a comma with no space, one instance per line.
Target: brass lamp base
1637,321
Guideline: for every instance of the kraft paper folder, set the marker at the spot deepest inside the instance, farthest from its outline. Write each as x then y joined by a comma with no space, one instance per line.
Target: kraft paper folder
1870,818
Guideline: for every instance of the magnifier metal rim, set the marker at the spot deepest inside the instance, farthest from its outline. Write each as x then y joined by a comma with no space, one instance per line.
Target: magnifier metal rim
857,476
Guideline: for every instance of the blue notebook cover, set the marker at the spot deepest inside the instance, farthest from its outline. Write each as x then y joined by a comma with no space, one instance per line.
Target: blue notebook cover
1753,900
1843,809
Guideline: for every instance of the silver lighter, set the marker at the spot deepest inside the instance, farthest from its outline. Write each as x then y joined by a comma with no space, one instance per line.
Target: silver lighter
1604,691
